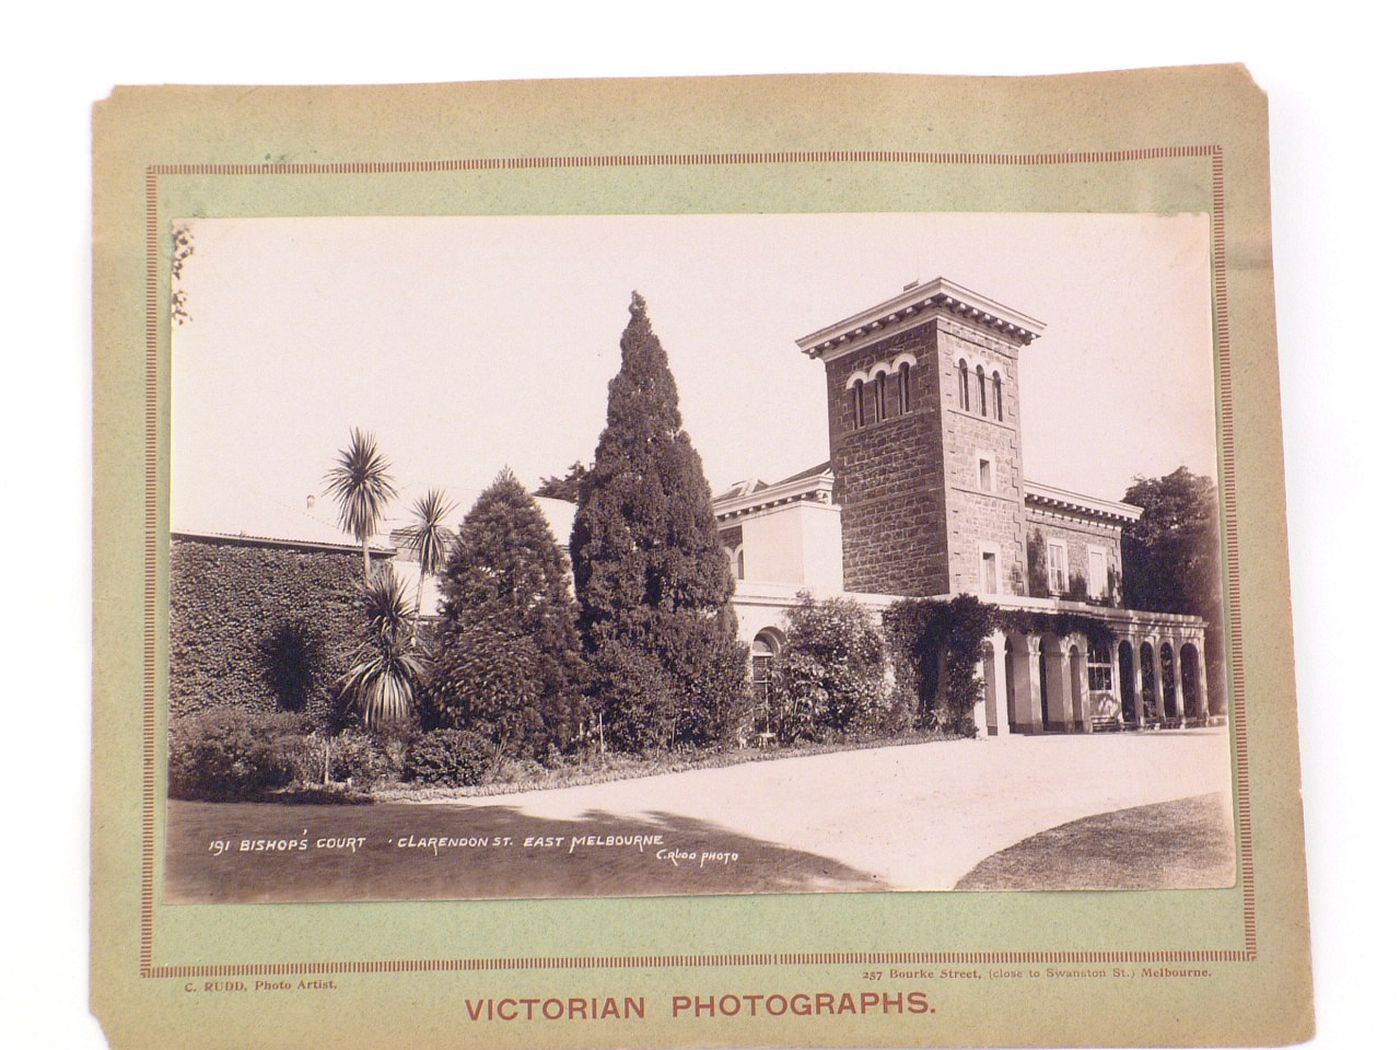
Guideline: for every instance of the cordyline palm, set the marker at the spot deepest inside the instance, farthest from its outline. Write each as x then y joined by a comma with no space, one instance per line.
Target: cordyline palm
429,538
360,482
379,687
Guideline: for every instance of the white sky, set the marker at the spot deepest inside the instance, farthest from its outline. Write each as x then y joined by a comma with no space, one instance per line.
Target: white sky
467,344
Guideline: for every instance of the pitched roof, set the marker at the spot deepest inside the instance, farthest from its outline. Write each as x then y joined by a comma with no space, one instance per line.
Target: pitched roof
750,486
811,472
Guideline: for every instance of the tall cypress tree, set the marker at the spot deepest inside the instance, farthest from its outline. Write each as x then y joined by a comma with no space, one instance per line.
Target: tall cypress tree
507,658
652,580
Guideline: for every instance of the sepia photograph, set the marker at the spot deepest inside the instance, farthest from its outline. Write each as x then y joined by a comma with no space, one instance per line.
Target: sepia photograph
640,555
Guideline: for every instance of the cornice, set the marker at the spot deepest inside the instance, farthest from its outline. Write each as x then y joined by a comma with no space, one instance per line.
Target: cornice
813,489
1050,496
938,294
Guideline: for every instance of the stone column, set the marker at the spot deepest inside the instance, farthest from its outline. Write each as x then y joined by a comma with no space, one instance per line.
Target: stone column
1026,667
1060,701
998,710
979,709
1116,683
1079,690
1202,696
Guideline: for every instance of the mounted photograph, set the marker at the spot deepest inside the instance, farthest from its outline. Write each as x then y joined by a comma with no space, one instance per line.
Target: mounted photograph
637,555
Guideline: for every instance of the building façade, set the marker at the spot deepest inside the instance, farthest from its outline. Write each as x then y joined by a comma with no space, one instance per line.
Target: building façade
924,496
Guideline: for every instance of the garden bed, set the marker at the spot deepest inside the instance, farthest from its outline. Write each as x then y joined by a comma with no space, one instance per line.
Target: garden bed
596,769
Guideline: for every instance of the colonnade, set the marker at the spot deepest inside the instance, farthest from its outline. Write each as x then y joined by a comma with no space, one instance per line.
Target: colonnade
1043,683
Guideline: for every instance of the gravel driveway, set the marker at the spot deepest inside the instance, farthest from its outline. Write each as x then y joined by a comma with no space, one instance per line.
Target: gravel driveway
918,816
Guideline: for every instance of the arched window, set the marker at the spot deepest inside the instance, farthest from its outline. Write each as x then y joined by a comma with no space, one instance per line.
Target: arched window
736,561
1149,681
765,647
996,393
880,397
982,389
904,388
858,396
964,401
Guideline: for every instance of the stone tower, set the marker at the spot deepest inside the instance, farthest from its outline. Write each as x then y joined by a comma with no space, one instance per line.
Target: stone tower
924,418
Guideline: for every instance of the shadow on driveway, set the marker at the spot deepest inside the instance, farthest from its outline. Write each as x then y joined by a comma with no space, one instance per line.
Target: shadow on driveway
492,851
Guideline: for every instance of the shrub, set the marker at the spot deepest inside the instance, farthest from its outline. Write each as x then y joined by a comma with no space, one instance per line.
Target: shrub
294,661
886,719
507,655
553,758
395,746
362,759
511,770
230,753
831,673
1037,572
456,757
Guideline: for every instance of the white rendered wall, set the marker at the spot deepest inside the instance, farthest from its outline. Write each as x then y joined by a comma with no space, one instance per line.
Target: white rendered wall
798,543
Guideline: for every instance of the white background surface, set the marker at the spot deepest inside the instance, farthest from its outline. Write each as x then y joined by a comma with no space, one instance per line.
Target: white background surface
1328,70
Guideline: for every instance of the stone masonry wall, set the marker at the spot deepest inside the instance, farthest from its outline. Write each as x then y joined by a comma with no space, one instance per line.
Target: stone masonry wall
1078,534
978,516
889,474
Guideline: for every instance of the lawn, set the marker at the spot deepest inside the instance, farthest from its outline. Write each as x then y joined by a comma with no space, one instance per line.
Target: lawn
1185,844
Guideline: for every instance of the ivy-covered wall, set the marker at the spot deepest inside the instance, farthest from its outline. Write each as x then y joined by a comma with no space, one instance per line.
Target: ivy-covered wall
260,627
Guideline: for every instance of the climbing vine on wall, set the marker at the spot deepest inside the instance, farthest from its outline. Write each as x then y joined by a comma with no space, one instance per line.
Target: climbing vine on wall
1063,624
259,627
935,649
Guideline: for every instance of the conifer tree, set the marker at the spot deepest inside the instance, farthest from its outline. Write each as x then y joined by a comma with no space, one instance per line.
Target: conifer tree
652,580
507,659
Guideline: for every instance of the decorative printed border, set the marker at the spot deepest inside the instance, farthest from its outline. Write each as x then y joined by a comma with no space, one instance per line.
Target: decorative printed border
1220,301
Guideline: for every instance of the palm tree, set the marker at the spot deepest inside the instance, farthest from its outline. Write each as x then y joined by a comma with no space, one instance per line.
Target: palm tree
360,482
429,538
379,687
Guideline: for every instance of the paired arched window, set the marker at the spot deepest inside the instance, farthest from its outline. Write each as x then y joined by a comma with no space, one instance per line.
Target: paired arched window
964,398
890,391
982,389
996,393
